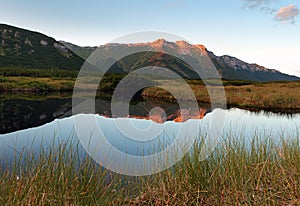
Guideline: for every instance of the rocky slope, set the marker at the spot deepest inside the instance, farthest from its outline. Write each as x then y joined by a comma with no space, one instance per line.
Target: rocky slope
27,49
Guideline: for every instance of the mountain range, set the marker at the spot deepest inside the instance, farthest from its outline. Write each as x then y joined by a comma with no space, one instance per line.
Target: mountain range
27,49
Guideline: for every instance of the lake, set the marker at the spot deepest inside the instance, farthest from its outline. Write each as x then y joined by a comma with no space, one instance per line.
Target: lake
36,124
51,124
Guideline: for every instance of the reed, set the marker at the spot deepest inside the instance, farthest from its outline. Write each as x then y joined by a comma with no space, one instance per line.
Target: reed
259,171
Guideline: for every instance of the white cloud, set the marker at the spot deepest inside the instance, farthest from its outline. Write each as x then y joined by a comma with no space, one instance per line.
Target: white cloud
255,3
263,5
287,13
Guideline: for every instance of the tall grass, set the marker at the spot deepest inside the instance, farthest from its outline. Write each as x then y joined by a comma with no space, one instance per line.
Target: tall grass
263,172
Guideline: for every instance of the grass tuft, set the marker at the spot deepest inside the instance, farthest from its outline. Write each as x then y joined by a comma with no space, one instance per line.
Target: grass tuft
238,172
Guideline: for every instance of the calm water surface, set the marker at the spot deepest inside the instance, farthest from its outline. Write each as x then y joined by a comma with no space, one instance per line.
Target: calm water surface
59,131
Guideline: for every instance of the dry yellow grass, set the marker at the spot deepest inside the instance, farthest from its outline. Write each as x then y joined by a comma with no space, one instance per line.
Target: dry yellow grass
275,96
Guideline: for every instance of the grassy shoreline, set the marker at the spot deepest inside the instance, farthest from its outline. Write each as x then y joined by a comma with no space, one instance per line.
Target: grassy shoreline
36,84
262,173
273,96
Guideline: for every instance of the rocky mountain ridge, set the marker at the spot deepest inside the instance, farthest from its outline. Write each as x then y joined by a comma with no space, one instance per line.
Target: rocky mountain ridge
22,48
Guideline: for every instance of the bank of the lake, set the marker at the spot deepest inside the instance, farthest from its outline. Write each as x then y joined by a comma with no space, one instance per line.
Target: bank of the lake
281,97
270,96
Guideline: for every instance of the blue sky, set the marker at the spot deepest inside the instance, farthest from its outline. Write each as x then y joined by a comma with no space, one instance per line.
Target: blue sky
257,31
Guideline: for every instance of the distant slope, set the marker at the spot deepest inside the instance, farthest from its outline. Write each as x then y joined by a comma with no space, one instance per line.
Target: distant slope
233,68
83,52
23,48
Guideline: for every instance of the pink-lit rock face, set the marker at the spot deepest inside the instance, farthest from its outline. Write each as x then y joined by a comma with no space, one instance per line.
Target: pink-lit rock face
157,119
183,115
186,114
159,116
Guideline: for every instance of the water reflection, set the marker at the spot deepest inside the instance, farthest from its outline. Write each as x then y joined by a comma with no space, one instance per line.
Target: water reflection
239,123
25,110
